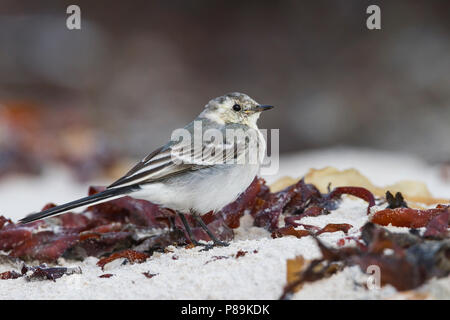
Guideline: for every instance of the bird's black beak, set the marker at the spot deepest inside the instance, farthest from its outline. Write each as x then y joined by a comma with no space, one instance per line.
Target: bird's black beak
262,108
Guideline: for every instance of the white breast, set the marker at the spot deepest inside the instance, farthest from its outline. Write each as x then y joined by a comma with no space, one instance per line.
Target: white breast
202,190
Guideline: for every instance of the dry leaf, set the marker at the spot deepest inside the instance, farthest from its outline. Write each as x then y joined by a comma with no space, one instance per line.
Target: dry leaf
415,192
282,183
411,295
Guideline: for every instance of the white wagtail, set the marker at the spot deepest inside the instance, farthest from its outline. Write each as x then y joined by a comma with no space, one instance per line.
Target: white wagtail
196,176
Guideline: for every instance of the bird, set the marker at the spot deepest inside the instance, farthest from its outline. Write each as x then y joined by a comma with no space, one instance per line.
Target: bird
193,173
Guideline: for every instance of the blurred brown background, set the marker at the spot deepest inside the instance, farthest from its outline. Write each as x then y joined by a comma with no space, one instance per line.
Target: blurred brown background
139,69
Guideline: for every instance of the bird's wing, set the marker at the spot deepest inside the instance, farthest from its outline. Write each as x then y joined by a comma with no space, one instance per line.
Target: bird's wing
139,166
174,159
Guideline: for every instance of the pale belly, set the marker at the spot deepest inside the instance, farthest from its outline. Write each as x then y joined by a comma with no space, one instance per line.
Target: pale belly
202,190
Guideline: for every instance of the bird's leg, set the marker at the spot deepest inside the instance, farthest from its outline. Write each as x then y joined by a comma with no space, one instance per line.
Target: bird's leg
216,241
188,230
172,224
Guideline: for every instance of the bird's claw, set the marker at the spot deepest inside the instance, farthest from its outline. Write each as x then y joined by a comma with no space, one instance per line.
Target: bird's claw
209,246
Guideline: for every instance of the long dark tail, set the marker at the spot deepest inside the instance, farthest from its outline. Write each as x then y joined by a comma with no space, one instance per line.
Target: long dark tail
97,198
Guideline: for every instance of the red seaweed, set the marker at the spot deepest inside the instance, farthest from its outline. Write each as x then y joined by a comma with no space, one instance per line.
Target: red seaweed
240,253
10,275
149,275
131,255
438,226
43,272
359,192
289,231
407,217
235,210
310,230
334,227
301,200
106,275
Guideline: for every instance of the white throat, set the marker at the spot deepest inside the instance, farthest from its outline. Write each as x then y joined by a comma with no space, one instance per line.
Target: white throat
251,122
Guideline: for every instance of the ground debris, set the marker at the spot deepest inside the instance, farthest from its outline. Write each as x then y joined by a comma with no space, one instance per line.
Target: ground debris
10,275
43,272
407,217
300,200
149,275
289,229
215,258
437,228
40,272
241,253
406,260
131,255
395,202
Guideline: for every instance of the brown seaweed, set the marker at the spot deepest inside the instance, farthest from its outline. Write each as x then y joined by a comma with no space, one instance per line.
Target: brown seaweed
407,217
41,272
412,260
300,200
131,255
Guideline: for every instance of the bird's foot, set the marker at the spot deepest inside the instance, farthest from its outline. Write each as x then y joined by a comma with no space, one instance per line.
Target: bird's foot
217,243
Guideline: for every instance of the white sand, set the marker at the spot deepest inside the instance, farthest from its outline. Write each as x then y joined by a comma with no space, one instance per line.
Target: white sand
197,275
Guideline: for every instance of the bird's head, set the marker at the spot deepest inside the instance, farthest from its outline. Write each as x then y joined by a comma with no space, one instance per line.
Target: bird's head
234,107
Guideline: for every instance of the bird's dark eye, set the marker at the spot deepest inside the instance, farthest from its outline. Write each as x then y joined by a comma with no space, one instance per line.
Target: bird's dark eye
237,107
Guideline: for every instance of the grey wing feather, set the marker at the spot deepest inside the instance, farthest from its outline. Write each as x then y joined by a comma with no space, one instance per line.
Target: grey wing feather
176,158
136,168
156,166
